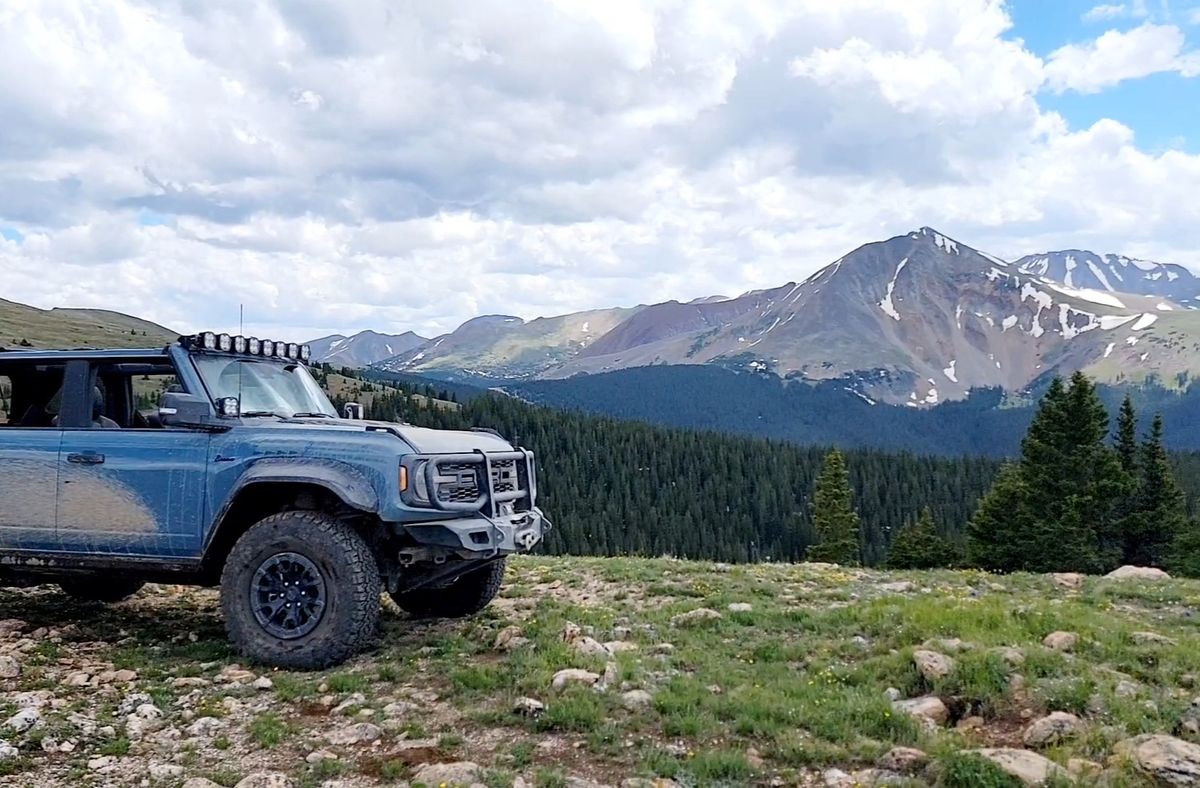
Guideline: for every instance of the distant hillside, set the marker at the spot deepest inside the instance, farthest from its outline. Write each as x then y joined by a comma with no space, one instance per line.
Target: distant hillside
364,348
22,325
987,422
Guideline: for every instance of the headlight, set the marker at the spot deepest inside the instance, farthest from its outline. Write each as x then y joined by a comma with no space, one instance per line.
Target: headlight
268,348
253,346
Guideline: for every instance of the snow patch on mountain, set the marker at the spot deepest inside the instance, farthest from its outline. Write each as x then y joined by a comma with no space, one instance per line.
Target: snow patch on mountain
1145,321
886,304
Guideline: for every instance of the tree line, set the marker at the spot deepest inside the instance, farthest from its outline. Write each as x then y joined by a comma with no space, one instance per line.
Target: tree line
626,488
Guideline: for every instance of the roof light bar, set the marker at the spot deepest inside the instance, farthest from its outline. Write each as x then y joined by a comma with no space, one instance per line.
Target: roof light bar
252,346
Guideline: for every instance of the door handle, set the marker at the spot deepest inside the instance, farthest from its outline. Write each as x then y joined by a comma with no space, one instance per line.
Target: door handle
86,458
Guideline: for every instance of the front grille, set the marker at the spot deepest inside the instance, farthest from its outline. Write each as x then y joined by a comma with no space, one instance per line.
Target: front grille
465,489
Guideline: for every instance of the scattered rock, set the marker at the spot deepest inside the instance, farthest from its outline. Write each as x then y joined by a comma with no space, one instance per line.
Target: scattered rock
528,707
893,694
102,762
262,683
266,780
1151,638
1145,573
319,756
23,720
1052,729
1081,767
458,773
1061,641
568,676
740,607
200,782
972,723
905,760
165,771
235,674
754,759
637,699
898,587
932,665
1028,767
9,667
509,639
928,708
358,733
700,615
644,782
1166,759
7,751
205,727
1126,689
620,646
1068,581
1013,657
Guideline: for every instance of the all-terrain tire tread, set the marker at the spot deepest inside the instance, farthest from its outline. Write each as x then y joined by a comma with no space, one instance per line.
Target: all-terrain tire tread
467,596
363,590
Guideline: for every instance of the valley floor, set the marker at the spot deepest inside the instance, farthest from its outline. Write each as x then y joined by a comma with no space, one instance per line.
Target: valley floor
696,673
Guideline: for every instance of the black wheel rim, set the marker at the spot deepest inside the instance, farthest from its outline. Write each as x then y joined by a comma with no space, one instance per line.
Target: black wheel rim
288,595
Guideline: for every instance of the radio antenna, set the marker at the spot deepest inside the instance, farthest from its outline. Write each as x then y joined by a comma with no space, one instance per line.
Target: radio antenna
241,333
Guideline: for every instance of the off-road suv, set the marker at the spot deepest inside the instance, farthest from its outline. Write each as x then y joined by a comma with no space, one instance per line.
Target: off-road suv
218,460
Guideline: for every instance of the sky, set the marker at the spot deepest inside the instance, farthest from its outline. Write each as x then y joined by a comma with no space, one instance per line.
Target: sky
400,165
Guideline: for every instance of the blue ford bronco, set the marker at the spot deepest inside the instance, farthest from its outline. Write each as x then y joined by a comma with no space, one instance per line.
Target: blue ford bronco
218,460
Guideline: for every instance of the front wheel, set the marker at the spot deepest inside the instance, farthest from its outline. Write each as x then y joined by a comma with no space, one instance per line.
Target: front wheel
300,590
467,595
96,589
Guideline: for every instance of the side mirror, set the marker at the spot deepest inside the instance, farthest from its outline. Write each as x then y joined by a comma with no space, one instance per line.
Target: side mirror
353,411
180,409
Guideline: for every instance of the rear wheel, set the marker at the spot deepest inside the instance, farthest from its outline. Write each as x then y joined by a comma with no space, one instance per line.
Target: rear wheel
300,590
467,595
100,589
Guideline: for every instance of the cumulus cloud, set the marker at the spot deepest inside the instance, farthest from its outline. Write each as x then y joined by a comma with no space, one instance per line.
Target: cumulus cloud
1108,11
336,167
1118,55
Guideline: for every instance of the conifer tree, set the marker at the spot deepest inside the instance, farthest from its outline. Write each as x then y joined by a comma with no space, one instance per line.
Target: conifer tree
919,546
834,518
1127,443
1057,508
1161,512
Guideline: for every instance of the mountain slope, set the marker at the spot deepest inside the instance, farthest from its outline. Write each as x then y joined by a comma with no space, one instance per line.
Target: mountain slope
73,328
364,348
503,346
1115,273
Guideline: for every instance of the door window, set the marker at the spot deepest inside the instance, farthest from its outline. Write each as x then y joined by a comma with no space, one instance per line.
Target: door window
30,395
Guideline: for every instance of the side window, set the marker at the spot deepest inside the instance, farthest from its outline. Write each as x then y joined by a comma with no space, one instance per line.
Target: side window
127,395
30,395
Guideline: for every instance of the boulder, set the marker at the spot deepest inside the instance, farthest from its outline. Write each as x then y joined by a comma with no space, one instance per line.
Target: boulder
457,773
636,700
1028,767
266,780
1013,657
1167,760
1061,641
569,676
700,615
929,708
932,665
1151,639
1052,729
528,707
1068,581
358,733
1143,573
740,607
509,639
905,760
9,667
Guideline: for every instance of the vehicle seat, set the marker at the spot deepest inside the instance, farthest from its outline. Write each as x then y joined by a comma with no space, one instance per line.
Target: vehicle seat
99,420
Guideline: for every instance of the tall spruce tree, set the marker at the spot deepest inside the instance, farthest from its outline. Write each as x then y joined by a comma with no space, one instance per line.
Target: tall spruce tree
1128,453
920,546
834,519
1161,512
1126,437
1056,509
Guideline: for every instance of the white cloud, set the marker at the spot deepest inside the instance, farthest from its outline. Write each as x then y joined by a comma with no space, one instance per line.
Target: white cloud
1193,16
336,167
1101,13
1117,56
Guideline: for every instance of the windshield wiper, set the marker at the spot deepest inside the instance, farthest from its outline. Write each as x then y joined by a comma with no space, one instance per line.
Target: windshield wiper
311,416
252,413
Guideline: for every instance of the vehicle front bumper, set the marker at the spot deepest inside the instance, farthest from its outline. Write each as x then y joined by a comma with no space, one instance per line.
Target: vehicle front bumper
483,537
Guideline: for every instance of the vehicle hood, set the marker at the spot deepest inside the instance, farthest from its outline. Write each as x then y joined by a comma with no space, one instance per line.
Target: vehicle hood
429,441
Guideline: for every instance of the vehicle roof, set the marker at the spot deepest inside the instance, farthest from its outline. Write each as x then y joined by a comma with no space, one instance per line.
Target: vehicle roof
24,354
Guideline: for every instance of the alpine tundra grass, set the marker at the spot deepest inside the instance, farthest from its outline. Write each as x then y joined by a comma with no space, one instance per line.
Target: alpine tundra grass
784,680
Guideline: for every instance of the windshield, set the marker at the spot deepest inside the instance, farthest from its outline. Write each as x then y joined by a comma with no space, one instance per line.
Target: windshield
264,387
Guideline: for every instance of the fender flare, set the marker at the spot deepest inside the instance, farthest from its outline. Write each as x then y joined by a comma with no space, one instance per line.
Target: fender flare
342,479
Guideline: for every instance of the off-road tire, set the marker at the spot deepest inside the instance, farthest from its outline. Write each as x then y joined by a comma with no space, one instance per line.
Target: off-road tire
100,589
466,596
350,617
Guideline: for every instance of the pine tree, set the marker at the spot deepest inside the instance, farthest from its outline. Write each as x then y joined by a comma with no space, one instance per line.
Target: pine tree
1184,556
1161,512
1057,508
919,546
1127,443
834,518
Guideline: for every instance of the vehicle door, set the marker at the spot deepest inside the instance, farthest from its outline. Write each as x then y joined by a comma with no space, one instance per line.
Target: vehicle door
29,443
127,485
